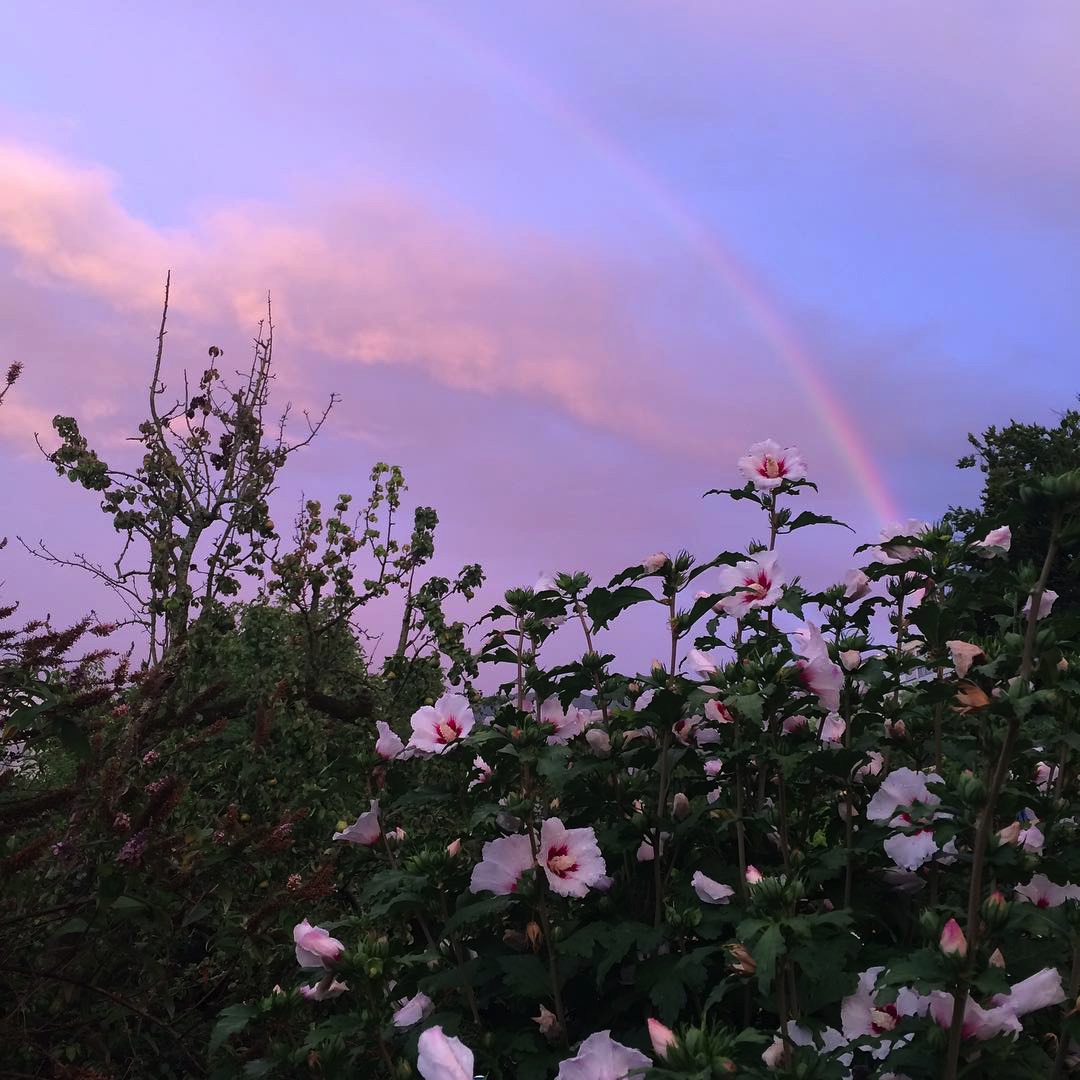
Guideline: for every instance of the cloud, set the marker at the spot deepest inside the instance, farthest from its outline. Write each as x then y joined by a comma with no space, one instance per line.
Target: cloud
363,275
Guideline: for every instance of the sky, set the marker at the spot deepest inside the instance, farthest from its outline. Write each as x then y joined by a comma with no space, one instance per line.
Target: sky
562,261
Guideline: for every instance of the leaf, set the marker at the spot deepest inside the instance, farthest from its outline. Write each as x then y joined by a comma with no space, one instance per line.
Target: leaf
806,518
768,949
231,1020
481,909
129,905
604,604
74,739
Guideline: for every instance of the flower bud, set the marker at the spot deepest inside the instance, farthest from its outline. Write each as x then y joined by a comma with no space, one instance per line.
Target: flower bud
680,807
996,959
851,659
534,935
662,1038
952,942
599,741
995,909
453,849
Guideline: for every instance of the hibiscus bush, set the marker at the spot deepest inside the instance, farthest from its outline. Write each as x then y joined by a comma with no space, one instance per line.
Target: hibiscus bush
828,834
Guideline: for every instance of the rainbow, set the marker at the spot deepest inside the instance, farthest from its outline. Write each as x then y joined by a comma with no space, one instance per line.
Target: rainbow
760,308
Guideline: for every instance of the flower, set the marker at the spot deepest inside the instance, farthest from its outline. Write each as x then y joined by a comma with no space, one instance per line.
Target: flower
856,585
963,656
388,745
701,663
718,712
654,562
758,581
766,465
888,552
547,1022
570,858
567,724
437,727
502,862
1045,775
910,850
996,542
1046,602
365,830
832,729
483,768
952,941
412,1010
599,741
646,852
753,875
902,787
1043,893
690,730
600,1057
1035,992
661,1037
453,849
327,987
315,948
819,674
861,1015
709,891
443,1057
850,659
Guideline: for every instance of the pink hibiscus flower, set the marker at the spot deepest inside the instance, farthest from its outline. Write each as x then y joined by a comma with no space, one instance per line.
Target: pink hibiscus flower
388,745
570,858
437,727
996,542
758,582
767,465
567,724
602,1058
443,1057
502,862
709,891
902,787
818,673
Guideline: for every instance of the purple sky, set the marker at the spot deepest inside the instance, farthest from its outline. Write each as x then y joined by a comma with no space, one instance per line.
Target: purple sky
563,261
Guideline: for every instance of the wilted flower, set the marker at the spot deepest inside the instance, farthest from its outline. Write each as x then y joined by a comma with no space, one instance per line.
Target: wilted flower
832,729
150,757
602,1058
443,1057
121,823
294,882
767,465
388,745
548,1023
327,987
365,830
315,948
132,852
856,585
483,768
709,891
1046,602
655,562
437,727
412,1010
599,741
963,656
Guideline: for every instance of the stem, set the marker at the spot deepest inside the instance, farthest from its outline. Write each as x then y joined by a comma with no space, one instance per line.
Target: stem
740,810
986,817
520,673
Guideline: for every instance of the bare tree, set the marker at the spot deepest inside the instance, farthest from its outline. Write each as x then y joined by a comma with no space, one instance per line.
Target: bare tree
194,513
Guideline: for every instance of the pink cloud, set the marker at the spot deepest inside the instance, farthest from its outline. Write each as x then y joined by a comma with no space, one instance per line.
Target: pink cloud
363,275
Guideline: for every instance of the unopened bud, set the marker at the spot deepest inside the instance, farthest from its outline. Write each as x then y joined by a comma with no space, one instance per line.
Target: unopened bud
996,959
952,942
680,806
453,849
662,1038
534,935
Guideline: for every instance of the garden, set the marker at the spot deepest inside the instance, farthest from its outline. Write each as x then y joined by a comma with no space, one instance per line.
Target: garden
828,834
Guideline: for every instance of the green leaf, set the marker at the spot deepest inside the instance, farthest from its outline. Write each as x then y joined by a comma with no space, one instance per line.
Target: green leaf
231,1020
481,909
604,604
806,518
768,949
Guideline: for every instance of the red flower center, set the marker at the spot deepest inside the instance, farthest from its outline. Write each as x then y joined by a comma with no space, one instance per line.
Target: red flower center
772,467
446,731
559,860
883,1018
